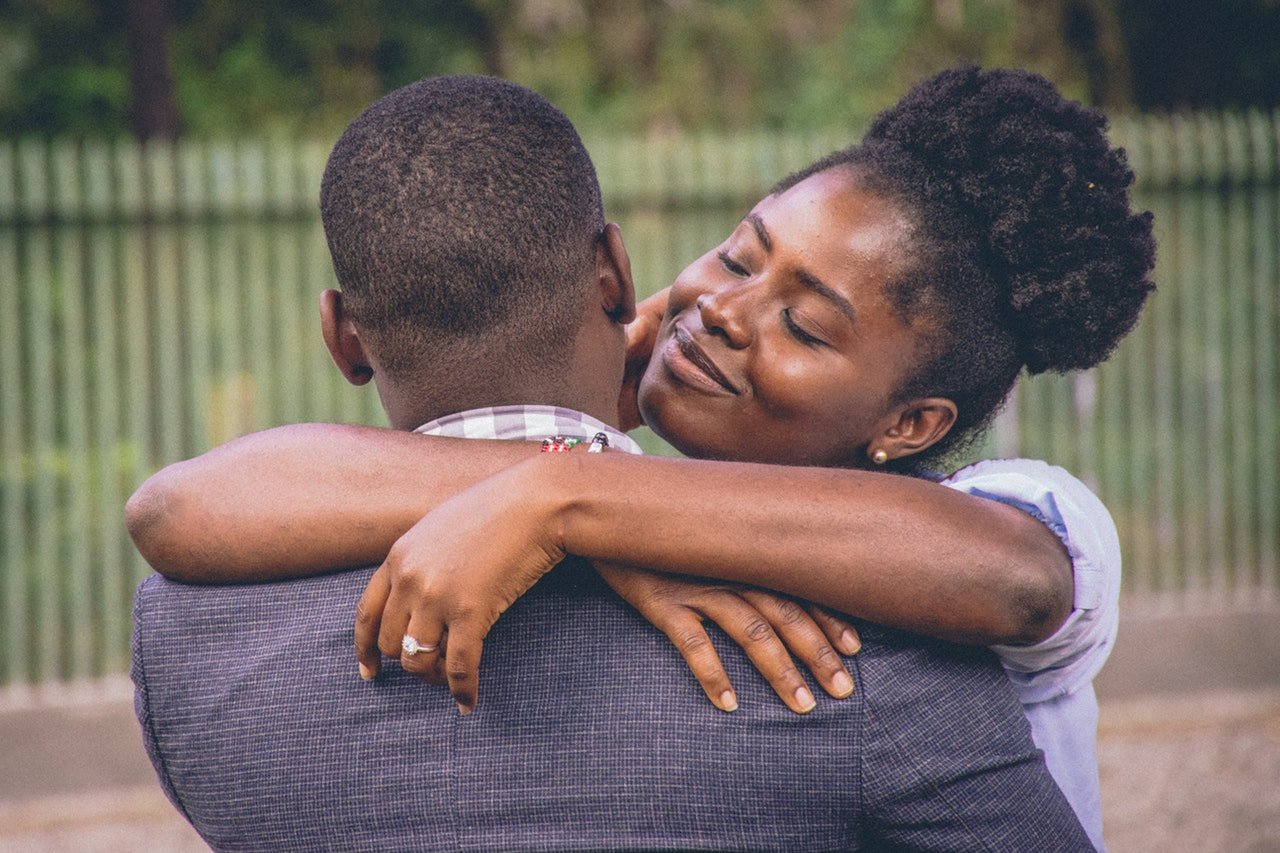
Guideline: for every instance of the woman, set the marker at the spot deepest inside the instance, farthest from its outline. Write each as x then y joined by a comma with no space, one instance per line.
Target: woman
868,316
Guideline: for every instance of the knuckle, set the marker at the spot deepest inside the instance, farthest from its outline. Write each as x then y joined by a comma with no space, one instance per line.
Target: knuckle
759,631
415,666
826,654
789,612
693,642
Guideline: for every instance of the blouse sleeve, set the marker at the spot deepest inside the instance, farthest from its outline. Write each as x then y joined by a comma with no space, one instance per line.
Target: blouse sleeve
1072,656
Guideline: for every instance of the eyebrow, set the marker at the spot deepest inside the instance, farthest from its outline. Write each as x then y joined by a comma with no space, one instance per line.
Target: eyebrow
808,279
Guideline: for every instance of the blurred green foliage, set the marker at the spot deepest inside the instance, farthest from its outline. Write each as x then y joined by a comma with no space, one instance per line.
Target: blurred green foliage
628,65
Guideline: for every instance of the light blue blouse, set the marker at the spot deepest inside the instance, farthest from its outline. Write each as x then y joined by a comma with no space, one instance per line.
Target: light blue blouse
1054,678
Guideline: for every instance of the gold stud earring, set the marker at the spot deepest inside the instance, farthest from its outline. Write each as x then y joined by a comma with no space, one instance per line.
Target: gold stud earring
880,456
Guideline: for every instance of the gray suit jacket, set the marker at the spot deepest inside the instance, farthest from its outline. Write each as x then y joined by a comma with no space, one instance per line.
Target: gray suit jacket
590,734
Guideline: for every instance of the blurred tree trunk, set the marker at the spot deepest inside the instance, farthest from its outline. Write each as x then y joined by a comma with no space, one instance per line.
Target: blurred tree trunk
153,112
1081,40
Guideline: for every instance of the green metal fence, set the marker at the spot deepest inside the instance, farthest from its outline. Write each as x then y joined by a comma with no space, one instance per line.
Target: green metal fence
157,301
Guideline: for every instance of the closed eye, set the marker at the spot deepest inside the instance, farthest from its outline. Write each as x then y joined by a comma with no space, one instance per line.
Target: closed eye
799,333
731,265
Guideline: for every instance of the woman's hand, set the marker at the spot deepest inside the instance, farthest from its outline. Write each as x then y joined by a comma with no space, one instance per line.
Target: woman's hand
449,578
642,332
764,624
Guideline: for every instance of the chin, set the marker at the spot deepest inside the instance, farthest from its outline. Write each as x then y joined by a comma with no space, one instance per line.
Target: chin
667,424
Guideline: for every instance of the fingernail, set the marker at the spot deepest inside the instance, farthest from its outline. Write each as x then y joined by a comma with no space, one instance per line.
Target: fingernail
366,672
728,702
849,642
805,699
842,684
463,709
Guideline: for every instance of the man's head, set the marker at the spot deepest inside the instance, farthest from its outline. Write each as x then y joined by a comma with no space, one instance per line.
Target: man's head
465,224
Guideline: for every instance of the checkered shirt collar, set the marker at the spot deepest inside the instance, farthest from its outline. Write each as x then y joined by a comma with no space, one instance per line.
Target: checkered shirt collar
527,423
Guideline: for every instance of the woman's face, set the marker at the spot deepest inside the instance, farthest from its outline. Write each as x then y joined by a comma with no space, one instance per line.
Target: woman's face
780,345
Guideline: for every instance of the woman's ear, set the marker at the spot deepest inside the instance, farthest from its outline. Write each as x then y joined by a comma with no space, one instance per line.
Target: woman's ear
342,339
613,275
919,425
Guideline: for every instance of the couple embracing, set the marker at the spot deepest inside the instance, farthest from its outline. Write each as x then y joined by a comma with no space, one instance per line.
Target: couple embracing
860,324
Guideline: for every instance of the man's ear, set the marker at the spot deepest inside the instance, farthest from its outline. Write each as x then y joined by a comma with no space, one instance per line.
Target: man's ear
342,339
918,426
613,275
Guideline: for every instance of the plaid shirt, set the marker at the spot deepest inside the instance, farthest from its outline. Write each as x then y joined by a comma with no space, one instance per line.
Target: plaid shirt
525,423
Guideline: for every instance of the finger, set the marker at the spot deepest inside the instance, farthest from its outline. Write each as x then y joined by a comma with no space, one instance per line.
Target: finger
805,639
369,620
395,620
747,627
462,664
839,630
427,631
687,634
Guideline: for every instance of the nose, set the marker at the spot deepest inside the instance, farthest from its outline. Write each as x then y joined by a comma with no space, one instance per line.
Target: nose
726,311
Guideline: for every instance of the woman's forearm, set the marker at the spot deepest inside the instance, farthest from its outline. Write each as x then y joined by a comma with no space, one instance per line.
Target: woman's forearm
301,500
894,550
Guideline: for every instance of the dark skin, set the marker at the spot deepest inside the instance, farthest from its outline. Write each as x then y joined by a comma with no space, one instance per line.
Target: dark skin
197,522
779,346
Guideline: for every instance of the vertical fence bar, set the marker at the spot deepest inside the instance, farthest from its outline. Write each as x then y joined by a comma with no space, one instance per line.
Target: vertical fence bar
114,582
1265,214
1242,453
257,320
68,314
135,259
45,561
197,283
15,456
1168,495
1192,487
166,276
1213,286
8,183
74,410
164,270
1142,412
321,374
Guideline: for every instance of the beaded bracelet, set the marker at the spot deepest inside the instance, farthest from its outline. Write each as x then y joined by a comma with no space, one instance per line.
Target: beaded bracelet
560,444
565,443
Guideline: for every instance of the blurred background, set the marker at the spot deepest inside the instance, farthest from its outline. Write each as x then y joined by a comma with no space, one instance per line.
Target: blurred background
160,257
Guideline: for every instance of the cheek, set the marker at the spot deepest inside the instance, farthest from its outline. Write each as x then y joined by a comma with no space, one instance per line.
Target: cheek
696,279
831,402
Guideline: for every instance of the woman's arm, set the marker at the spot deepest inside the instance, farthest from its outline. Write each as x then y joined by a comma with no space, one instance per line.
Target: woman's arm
902,552
894,550
301,500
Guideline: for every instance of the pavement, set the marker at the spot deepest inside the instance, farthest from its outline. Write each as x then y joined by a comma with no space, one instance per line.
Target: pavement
1179,773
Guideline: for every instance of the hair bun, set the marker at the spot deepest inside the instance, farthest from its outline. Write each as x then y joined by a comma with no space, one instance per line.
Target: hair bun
1036,174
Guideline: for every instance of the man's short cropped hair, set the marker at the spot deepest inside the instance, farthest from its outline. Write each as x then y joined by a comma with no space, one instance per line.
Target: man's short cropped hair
462,213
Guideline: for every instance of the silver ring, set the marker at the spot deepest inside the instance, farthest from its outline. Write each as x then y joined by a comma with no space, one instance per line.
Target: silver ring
411,647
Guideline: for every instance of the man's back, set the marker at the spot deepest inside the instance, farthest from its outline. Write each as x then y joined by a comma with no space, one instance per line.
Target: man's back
589,735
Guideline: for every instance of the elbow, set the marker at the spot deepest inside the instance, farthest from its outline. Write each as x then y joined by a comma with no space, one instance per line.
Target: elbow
1039,596
153,516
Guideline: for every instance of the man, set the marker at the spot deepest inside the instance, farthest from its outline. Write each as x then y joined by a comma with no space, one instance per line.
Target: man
479,279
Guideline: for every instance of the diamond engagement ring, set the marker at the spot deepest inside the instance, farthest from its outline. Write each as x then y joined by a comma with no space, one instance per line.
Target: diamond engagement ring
411,647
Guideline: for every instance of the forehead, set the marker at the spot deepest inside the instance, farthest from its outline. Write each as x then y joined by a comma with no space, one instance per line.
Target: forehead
839,230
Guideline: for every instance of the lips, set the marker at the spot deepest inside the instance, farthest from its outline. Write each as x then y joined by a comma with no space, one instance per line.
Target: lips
690,362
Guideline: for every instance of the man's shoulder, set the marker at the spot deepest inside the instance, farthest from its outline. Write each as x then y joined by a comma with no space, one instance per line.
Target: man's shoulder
586,713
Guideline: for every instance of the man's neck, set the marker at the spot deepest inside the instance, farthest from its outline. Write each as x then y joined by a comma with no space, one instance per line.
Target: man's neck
409,414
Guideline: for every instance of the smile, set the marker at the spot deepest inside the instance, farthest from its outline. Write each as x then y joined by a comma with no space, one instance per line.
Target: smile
690,364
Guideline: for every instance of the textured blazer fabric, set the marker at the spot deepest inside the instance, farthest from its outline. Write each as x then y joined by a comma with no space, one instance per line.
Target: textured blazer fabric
590,734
